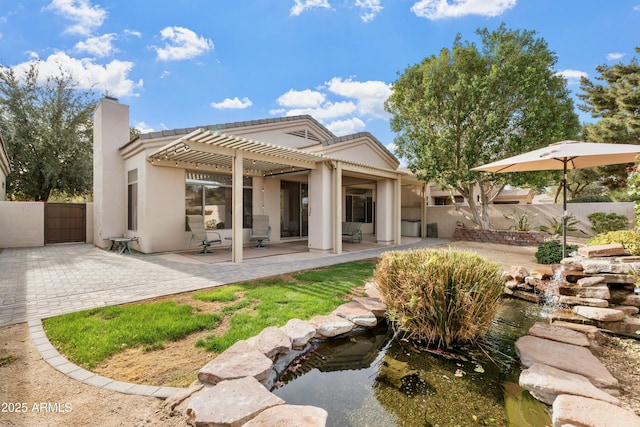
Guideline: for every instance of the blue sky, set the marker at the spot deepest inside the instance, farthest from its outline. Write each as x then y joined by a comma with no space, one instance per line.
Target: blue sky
196,62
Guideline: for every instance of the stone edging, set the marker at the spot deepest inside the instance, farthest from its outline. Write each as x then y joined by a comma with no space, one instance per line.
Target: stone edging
61,364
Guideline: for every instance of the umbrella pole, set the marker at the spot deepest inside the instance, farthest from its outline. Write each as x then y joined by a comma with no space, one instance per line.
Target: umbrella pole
564,211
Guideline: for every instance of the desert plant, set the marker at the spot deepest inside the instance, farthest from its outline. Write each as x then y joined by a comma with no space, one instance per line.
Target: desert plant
551,252
592,198
604,222
555,225
440,297
521,221
629,239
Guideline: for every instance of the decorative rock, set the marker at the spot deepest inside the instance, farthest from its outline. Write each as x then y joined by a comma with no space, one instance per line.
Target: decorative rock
238,361
331,326
595,266
527,296
356,313
371,290
271,342
180,396
618,278
517,273
633,300
600,291
591,302
514,284
556,333
581,411
542,273
590,331
586,282
596,313
572,263
290,416
545,383
629,325
629,310
612,249
569,316
299,331
374,305
567,357
230,403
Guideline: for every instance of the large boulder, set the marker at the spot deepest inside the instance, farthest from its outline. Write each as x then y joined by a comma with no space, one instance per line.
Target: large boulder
238,361
271,342
356,313
557,333
600,314
290,416
299,331
567,357
230,403
581,411
331,326
545,383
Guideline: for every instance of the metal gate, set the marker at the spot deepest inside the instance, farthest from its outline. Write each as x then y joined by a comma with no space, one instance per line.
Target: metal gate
65,222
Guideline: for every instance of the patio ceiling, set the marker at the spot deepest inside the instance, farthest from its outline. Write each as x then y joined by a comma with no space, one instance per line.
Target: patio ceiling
216,150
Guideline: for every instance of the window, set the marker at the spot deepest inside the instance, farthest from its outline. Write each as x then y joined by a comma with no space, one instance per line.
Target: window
359,206
210,195
132,200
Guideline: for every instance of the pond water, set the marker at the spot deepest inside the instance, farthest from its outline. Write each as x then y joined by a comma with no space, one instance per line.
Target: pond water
373,379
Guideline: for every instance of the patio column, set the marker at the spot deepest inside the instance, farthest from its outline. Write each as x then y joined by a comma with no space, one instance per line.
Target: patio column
423,210
321,217
337,211
236,223
385,212
397,211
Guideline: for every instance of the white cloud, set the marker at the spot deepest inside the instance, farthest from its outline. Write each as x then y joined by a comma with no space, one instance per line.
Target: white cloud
438,9
110,78
370,9
346,127
572,76
327,111
97,46
182,43
302,5
370,95
84,16
165,74
142,127
301,98
133,33
232,104
614,56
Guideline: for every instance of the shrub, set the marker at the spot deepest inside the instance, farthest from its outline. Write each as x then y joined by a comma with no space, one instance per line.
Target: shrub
590,199
551,252
602,222
630,240
439,296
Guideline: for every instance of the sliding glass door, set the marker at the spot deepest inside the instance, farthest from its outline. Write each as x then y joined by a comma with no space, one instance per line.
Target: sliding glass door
294,209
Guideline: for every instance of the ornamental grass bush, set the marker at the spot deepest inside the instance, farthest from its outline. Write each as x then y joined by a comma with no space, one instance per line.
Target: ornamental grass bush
629,239
440,297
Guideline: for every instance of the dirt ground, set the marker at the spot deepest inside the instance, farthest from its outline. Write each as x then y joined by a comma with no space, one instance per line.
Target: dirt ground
34,394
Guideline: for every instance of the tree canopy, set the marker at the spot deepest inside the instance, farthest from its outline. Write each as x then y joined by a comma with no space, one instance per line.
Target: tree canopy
473,105
615,103
47,128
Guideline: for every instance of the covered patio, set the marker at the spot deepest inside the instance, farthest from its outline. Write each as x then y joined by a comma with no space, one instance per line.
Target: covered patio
308,184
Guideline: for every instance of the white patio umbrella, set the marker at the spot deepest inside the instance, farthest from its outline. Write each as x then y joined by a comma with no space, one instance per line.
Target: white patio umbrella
566,155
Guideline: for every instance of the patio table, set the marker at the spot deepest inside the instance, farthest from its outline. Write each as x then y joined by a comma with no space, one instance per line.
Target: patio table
120,244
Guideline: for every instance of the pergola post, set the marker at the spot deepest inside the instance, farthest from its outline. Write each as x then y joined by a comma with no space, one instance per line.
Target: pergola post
236,200
337,212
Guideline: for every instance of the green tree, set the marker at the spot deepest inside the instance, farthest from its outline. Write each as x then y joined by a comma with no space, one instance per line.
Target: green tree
47,128
470,106
615,103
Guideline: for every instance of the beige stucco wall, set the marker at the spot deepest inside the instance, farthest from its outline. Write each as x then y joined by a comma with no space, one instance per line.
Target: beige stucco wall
21,224
320,209
447,216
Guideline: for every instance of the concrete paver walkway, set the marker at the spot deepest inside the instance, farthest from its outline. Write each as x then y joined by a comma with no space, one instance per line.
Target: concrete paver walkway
36,283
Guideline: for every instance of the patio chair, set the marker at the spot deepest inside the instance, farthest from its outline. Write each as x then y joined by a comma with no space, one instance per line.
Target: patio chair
261,230
199,233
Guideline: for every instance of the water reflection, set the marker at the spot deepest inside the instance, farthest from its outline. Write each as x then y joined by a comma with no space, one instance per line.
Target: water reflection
373,380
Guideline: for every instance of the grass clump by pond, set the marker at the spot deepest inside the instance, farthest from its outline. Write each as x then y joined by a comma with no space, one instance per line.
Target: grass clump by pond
90,337
440,297
274,301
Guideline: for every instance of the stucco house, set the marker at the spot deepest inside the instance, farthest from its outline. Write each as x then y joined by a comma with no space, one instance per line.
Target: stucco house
304,178
5,168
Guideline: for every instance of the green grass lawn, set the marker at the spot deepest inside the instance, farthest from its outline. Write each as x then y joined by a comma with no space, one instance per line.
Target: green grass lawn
90,337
